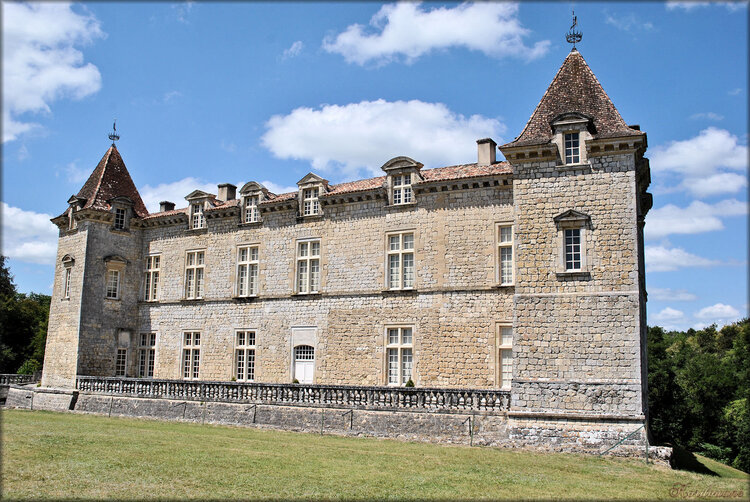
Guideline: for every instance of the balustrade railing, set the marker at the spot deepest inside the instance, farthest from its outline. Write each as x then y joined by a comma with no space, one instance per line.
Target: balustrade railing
12,378
302,394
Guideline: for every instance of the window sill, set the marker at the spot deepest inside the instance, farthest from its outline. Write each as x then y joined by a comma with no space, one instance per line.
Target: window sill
511,285
406,291
120,231
573,167
112,299
245,299
409,205
190,300
581,275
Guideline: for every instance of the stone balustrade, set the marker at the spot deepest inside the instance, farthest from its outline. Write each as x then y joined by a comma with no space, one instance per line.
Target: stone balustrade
366,397
13,378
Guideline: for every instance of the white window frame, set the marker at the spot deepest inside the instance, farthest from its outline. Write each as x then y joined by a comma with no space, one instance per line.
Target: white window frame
503,352
247,270
402,190
404,352
151,278
245,355
306,262
112,291
310,201
120,216
403,276
571,249
121,362
250,208
191,355
507,246
197,216
572,147
195,267
146,355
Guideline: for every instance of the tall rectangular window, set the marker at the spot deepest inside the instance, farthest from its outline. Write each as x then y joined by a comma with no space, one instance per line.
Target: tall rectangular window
400,355
308,267
251,209
191,355
197,219
400,260
505,356
505,254
153,267
244,356
247,271
113,284
146,355
194,267
572,148
66,282
402,193
119,218
572,249
121,362
310,203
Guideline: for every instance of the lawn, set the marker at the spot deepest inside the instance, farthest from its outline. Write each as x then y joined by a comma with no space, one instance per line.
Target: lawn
56,455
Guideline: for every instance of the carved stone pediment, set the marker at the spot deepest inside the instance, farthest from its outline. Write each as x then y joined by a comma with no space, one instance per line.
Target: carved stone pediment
397,163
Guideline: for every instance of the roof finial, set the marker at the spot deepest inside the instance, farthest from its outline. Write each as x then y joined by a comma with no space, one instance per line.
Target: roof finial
113,135
573,37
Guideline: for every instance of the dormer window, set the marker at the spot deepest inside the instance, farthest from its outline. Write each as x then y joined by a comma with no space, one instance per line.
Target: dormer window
120,218
572,148
197,220
251,209
402,189
310,203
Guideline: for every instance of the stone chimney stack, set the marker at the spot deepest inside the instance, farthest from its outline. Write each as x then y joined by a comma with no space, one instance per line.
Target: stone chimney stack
227,191
486,151
165,205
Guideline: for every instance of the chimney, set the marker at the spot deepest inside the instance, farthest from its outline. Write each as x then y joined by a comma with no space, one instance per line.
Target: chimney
227,192
165,205
486,149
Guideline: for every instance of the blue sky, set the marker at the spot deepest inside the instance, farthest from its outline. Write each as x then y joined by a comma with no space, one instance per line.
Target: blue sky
209,93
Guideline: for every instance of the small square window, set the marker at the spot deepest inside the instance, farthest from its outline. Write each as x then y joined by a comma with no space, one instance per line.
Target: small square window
572,148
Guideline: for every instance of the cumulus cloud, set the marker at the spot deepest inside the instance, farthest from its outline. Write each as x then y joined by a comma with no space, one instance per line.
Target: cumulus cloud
41,61
362,136
703,162
278,189
293,50
174,192
707,116
665,259
668,314
406,31
696,218
667,294
719,314
28,236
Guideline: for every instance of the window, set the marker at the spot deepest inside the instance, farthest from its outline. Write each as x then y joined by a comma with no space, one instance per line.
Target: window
146,355
251,209
572,249
310,203
247,271
505,254
308,267
400,261
197,220
244,356
121,362
66,282
113,284
119,218
400,358
572,148
153,266
194,275
504,356
191,355
402,189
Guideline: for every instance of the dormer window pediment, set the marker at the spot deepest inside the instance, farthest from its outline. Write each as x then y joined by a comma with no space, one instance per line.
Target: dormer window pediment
402,173
199,201
252,194
571,131
122,209
311,187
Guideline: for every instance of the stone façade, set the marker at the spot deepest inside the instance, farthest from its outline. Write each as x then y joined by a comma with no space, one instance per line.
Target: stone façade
578,346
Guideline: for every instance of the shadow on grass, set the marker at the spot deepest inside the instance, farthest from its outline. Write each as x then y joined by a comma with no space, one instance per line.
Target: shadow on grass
684,460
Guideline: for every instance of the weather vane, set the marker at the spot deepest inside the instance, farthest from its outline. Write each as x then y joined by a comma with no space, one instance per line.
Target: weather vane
573,37
113,135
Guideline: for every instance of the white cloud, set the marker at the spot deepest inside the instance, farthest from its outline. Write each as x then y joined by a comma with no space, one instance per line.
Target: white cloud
41,62
23,153
664,259
228,146
667,294
174,192
278,189
702,162
735,92
627,22
696,218
407,31
183,10
363,136
294,50
707,115
171,96
28,236
690,6
668,314
75,174
719,313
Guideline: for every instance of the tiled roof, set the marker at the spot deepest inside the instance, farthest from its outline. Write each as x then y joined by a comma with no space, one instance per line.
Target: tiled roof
466,171
575,88
111,179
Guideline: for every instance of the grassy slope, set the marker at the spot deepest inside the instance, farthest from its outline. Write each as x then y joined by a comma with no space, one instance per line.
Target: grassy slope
65,455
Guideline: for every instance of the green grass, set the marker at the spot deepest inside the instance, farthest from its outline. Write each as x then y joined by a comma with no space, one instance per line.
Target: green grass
55,455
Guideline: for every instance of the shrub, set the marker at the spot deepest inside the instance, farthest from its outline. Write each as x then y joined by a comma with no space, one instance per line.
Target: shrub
29,367
409,383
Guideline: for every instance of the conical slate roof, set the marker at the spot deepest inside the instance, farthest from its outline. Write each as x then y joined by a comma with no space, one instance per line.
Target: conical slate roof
111,179
575,88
